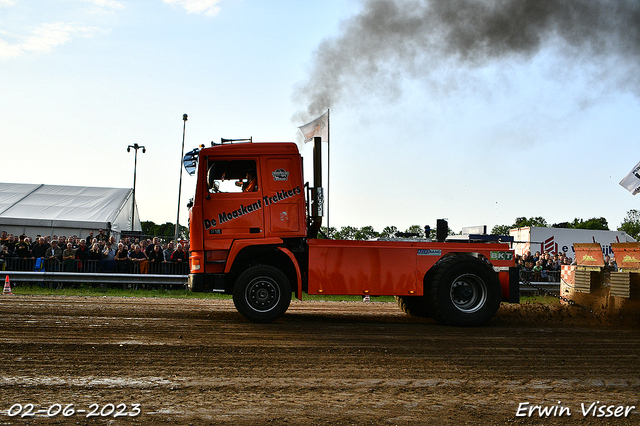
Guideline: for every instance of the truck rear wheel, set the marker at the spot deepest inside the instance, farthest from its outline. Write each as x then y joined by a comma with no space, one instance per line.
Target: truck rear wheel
464,291
262,293
414,305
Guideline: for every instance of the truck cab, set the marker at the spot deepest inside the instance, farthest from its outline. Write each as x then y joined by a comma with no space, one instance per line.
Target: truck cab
249,199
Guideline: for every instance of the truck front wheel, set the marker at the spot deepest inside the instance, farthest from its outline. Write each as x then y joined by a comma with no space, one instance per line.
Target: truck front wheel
262,293
464,291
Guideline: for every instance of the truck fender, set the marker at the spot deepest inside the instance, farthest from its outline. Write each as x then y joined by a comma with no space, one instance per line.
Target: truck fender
238,245
297,268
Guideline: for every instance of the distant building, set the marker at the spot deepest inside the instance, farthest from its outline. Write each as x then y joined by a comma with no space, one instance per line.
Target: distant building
561,240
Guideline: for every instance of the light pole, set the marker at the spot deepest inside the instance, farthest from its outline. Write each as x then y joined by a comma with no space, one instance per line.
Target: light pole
135,166
184,127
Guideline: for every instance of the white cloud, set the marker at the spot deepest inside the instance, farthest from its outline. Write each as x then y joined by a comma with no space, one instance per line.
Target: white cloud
43,39
208,7
7,2
7,50
110,4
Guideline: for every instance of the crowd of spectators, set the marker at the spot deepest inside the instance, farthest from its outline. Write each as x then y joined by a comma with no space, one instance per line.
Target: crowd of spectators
95,253
546,266
542,266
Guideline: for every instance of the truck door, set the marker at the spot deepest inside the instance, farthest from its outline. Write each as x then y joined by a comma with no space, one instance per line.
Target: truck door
232,204
283,197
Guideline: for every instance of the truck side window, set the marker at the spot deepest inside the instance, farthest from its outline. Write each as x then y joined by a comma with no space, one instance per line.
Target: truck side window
232,176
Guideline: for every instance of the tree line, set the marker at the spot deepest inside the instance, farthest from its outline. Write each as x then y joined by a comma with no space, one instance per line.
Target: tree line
166,230
630,225
369,233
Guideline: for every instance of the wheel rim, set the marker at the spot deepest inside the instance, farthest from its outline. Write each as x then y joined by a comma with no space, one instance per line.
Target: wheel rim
262,294
468,293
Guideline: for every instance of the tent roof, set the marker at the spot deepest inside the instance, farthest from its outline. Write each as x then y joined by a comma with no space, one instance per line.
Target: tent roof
57,205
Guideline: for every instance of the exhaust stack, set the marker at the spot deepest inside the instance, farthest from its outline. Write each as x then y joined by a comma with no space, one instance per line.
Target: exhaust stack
317,192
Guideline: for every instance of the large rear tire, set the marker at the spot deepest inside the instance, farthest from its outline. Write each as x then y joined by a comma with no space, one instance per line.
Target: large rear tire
262,293
463,291
414,305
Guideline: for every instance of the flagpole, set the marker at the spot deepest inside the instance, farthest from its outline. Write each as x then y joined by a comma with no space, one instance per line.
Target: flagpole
328,167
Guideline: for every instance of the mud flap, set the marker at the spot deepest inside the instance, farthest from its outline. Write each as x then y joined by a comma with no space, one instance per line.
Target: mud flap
514,285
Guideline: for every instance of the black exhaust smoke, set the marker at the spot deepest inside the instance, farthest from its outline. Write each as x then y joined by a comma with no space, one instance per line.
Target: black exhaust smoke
391,40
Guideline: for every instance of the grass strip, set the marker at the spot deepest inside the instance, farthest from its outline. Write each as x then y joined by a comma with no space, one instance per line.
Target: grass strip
87,290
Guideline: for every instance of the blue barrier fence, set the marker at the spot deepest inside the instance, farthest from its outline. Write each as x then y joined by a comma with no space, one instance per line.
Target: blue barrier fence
95,266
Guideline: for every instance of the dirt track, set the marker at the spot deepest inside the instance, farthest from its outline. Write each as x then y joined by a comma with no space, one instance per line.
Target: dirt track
327,363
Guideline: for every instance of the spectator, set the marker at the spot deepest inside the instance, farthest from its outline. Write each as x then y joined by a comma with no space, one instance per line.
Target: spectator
544,258
39,249
156,257
82,254
537,271
95,253
22,248
11,243
102,237
143,245
138,257
536,257
610,264
122,259
32,243
69,258
179,257
5,255
109,252
108,262
89,239
527,257
95,257
168,252
150,246
4,238
167,258
54,256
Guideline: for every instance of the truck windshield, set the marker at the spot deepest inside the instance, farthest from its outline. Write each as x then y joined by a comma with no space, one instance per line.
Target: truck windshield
232,176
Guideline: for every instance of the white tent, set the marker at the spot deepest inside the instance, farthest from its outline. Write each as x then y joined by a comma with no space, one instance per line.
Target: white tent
38,209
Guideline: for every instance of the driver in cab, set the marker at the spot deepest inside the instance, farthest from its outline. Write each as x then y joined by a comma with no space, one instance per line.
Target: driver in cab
250,183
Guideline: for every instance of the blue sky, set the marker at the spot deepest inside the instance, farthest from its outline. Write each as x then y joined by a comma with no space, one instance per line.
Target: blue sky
549,133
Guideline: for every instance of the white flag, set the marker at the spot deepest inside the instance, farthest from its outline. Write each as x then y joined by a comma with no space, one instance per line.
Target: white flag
632,180
318,127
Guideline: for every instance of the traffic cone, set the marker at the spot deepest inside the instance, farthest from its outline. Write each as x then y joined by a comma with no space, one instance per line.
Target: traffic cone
7,286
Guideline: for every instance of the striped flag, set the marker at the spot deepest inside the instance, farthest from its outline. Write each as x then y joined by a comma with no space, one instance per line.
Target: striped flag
632,180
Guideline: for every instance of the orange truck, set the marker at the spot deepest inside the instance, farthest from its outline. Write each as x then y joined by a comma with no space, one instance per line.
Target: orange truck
254,226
